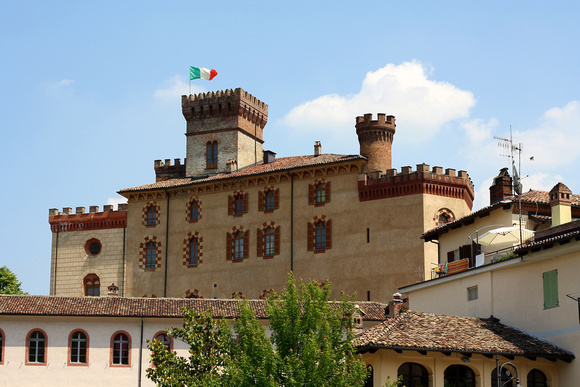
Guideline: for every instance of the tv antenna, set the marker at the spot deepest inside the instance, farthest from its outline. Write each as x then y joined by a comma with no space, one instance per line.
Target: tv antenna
508,144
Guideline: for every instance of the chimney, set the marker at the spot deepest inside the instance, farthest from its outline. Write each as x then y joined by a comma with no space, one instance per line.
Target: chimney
561,204
113,290
269,157
231,165
394,306
317,148
501,187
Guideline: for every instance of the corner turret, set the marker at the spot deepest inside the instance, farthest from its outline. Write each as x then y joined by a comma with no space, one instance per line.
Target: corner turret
375,138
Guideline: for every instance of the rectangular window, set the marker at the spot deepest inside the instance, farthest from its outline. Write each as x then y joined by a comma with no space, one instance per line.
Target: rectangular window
472,293
550,279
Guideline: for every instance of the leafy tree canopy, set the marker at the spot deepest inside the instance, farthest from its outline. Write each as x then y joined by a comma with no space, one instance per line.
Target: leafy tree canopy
9,284
310,345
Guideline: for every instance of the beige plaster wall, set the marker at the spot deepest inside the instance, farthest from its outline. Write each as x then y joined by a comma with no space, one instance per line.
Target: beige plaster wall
392,256
56,372
70,263
513,292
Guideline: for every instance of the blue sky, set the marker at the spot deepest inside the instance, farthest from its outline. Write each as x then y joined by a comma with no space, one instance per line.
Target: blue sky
90,92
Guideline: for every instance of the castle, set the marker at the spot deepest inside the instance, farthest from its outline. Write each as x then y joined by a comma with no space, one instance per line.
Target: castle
233,219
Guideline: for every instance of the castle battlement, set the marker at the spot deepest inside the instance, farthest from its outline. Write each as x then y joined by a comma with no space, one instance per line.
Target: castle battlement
383,122
66,221
165,171
376,185
227,103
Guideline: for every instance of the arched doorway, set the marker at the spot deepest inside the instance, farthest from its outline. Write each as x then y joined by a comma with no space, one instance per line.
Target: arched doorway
459,376
414,375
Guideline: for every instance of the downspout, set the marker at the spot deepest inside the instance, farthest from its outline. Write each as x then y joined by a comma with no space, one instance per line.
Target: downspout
291,222
140,355
124,263
166,247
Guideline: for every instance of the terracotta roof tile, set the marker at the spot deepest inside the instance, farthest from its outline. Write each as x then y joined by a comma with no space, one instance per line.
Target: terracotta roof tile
280,164
142,307
429,332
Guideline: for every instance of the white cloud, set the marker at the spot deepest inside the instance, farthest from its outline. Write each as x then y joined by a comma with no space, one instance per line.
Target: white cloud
116,201
176,87
478,131
420,103
556,140
64,82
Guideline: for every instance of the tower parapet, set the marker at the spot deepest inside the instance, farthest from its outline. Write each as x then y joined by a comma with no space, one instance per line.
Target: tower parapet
375,138
450,184
227,109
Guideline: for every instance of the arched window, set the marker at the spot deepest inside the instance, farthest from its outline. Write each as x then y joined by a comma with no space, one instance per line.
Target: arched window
36,347
459,376
120,351
151,255
269,200
369,382
536,378
165,339
151,215
212,154
239,204
92,285
414,375
193,251
78,345
194,212
443,219
320,193
238,245
320,236
269,241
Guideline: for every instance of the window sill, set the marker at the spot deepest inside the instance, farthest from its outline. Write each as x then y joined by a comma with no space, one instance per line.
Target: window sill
319,251
319,204
150,225
268,256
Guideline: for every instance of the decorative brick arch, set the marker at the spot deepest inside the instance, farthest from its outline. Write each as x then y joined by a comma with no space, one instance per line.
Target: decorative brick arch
193,294
190,208
186,249
443,213
143,253
146,211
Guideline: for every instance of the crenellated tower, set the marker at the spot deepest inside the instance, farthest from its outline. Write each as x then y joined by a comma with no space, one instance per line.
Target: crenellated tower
375,138
221,126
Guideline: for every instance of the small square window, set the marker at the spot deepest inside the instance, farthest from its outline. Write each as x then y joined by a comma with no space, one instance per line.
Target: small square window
472,293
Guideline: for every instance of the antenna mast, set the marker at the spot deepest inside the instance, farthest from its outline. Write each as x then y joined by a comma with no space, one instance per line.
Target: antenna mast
517,185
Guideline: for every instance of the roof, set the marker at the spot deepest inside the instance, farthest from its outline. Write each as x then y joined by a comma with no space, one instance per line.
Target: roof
25,305
531,196
469,335
280,164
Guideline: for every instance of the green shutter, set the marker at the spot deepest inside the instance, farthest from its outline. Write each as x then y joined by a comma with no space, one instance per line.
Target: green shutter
550,279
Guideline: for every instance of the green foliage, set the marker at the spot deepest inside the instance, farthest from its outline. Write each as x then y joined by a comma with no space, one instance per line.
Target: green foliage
396,383
310,345
9,284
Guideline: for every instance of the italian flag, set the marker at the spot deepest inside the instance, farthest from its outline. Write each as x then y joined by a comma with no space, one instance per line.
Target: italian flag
201,73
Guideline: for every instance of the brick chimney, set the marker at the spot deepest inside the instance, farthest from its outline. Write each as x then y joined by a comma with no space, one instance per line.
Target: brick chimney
501,187
113,290
394,306
317,148
561,204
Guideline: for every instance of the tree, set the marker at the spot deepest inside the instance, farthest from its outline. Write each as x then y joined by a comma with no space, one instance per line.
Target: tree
310,345
9,284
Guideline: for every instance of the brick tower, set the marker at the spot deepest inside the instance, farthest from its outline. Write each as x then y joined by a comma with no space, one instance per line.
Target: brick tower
223,126
375,138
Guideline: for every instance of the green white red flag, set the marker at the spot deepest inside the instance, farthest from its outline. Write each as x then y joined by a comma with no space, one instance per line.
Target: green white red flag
201,73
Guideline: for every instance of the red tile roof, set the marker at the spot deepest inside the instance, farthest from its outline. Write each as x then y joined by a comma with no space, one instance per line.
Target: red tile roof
429,332
280,164
142,307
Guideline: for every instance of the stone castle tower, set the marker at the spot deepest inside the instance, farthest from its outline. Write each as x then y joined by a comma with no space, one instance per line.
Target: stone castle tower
224,131
376,138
